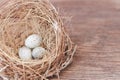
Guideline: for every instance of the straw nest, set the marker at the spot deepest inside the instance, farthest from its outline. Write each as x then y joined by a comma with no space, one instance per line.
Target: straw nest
18,20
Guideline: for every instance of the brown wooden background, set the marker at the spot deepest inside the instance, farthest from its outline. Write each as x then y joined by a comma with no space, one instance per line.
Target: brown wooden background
95,28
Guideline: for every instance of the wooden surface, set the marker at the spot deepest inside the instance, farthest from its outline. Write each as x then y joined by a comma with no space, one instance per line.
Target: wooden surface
95,28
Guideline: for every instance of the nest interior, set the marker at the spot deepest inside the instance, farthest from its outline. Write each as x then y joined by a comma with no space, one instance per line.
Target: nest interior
18,20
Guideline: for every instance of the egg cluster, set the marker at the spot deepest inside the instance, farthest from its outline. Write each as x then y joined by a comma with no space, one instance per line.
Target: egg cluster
32,49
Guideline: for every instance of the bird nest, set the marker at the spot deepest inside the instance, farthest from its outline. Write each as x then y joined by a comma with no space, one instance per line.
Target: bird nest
18,20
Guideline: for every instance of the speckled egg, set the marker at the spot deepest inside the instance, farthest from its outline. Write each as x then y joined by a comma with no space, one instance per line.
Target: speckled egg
25,53
38,52
33,41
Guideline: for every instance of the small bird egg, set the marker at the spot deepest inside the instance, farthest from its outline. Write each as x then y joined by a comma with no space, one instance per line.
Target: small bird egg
38,52
25,53
33,41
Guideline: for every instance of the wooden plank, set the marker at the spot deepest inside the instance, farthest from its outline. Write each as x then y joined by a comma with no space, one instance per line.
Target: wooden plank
95,27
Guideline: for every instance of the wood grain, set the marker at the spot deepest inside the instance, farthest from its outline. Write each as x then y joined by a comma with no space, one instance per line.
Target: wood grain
95,28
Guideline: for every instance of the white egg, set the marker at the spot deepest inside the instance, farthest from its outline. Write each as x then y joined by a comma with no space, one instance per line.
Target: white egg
33,41
25,53
38,52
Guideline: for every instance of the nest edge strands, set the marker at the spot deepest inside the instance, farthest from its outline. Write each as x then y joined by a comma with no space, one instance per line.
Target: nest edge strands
18,20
